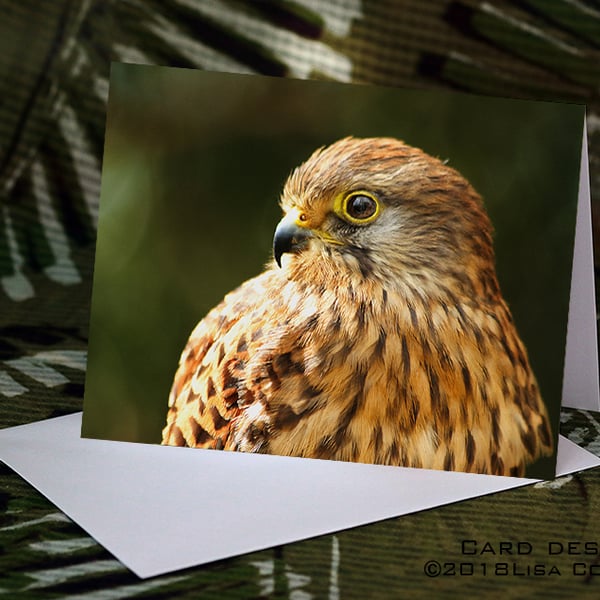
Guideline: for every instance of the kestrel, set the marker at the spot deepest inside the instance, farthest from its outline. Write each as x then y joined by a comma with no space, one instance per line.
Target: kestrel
378,333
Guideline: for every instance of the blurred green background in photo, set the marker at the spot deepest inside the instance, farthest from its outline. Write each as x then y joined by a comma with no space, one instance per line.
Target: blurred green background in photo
193,168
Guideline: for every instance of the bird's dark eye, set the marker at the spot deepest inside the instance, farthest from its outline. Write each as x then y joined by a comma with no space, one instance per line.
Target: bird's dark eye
360,207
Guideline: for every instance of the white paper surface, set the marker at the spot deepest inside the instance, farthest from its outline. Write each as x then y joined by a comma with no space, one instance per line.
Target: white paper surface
581,377
159,509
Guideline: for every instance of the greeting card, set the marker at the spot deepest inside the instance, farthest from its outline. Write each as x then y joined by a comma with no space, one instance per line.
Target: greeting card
328,271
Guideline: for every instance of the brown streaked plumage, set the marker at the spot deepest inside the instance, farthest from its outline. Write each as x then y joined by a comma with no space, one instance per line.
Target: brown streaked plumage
378,334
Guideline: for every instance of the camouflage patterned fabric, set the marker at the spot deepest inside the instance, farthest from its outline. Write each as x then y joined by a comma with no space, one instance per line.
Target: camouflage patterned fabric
54,61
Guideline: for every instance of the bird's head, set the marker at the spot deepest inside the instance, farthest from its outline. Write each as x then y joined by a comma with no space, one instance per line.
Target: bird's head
377,208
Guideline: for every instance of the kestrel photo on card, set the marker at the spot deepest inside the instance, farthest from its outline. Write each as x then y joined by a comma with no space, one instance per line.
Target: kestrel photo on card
329,271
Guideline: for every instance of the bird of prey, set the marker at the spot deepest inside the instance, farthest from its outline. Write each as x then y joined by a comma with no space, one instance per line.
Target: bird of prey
377,334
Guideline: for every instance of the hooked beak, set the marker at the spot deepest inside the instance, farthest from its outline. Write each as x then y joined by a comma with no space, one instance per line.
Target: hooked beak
289,237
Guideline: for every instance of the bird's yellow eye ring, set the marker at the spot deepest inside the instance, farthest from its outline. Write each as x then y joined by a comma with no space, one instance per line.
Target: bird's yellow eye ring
358,207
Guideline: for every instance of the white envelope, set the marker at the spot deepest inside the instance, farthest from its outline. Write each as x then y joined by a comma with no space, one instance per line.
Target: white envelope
231,502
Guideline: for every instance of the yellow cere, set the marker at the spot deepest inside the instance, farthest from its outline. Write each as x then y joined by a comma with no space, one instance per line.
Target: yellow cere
301,221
